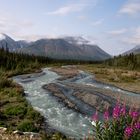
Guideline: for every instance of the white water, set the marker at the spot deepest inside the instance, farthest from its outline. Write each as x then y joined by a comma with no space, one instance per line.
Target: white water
57,116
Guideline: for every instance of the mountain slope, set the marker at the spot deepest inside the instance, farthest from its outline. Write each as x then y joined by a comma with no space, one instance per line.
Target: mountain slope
64,48
7,42
135,50
12,45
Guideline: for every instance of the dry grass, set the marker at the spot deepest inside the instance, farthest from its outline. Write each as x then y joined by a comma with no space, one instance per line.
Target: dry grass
126,79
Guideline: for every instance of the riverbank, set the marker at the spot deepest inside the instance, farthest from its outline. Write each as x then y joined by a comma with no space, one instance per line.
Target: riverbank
16,113
92,98
122,78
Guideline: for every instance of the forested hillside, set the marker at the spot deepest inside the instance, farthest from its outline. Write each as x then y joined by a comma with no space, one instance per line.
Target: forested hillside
131,62
14,61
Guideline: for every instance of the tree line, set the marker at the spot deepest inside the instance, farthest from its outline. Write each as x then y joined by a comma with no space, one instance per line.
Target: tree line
130,61
12,60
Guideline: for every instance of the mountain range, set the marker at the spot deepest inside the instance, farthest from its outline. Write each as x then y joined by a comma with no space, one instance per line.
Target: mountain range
74,48
69,47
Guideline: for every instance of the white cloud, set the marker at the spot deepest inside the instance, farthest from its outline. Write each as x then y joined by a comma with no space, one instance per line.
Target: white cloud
132,7
117,32
67,9
98,22
73,7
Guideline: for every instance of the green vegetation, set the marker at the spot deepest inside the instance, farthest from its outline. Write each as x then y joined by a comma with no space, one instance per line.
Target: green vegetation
128,128
131,62
15,111
27,125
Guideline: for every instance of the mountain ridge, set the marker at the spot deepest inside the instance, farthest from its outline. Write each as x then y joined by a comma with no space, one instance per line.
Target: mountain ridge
60,48
74,48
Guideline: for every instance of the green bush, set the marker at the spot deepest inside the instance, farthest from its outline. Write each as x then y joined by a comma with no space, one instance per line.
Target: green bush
32,114
16,111
27,126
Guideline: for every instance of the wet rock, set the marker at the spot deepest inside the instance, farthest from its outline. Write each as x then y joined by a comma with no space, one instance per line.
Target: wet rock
55,90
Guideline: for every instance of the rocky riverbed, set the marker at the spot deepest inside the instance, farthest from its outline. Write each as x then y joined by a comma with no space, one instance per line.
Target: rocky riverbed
87,97
68,97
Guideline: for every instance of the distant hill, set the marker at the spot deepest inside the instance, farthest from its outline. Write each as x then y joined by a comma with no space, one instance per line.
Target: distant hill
135,50
66,48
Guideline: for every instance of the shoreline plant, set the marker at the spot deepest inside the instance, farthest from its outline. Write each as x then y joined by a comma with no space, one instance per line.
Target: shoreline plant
120,125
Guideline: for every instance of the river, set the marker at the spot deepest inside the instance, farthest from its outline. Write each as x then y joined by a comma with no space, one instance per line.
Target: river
57,115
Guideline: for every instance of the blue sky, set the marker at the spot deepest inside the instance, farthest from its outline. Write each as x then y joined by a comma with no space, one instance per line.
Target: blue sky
114,25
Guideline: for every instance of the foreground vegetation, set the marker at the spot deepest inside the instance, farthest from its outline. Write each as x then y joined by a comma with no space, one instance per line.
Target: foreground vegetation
121,125
15,112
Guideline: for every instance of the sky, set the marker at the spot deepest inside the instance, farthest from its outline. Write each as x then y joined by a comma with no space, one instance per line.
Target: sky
114,25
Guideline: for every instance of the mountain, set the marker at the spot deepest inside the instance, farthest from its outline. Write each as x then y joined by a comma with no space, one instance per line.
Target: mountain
66,48
74,48
135,50
12,45
7,42
22,43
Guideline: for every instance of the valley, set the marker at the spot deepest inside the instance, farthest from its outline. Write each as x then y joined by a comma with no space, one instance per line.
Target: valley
69,70
75,91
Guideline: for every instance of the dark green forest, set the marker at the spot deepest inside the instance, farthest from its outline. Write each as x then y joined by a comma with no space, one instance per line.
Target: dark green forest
15,61
130,62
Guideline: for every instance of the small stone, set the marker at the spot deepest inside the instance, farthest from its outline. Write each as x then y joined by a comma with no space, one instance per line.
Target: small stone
18,132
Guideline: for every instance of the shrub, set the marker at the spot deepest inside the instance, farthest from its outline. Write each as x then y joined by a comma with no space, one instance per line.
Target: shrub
27,126
121,125
34,115
16,111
